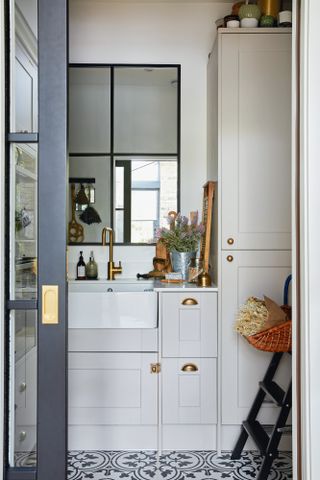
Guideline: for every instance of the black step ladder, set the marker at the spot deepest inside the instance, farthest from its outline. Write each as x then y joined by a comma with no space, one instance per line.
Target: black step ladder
267,444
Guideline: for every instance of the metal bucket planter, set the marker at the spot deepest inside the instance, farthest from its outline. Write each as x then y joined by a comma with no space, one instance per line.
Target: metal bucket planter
180,262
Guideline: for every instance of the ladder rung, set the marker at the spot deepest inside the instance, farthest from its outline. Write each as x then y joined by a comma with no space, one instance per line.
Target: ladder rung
258,434
274,391
287,429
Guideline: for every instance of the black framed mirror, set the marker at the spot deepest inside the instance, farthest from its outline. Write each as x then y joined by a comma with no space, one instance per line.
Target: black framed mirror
124,150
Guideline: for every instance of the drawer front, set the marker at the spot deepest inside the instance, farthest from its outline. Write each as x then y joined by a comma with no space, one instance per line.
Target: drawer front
189,392
189,324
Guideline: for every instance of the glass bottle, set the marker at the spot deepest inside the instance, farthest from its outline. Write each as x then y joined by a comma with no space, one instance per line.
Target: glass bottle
81,268
92,268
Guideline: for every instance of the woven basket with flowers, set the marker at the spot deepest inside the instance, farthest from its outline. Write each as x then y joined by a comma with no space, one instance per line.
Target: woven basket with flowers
265,324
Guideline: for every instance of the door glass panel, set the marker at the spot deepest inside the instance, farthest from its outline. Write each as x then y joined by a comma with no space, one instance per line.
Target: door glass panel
23,222
23,387
89,110
24,70
145,110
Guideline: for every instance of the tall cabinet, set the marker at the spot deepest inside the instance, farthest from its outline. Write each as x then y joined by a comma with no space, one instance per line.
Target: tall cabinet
249,120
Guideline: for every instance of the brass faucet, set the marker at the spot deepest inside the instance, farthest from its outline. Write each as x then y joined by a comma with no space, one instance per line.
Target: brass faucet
112,269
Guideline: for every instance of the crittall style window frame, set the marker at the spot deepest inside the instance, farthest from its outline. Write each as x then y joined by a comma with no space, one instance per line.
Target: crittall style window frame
115,157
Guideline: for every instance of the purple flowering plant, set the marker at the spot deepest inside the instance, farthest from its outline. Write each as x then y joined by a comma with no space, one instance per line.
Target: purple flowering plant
181,236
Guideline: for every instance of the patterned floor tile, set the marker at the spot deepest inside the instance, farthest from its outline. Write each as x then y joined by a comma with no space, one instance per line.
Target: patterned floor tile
180,465
173,465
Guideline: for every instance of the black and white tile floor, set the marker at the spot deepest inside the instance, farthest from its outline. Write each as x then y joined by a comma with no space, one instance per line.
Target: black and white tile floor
182,465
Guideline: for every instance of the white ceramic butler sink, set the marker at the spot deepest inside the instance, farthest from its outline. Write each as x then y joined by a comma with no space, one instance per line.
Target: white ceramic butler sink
112,304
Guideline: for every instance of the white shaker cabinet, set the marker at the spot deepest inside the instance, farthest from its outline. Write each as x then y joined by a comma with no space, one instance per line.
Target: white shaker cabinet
112,401
189,392
249,81
189,395
255,140
247,274
189,324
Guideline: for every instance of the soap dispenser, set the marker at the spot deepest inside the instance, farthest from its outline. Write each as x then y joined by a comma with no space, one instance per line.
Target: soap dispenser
92,268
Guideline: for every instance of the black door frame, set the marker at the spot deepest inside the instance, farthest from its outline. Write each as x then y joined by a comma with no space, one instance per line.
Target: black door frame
52,241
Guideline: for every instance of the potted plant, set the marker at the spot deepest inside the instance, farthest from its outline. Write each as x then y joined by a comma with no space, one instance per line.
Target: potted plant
181,240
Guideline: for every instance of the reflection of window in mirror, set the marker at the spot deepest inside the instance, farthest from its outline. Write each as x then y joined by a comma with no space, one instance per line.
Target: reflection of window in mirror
124,133
146,190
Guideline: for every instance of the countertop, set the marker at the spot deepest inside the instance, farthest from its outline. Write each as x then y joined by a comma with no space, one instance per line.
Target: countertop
155,284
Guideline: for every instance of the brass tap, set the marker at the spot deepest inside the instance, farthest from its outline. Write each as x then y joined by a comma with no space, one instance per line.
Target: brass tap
112,269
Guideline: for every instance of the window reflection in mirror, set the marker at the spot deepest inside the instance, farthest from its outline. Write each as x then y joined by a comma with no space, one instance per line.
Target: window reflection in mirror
124,142
146,190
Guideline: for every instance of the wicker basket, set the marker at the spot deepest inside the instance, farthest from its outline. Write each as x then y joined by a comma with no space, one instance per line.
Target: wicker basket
276,339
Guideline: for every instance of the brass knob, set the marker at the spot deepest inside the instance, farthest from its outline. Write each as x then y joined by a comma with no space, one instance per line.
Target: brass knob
22,436
189,301
22,387
230,258
230,241
189,367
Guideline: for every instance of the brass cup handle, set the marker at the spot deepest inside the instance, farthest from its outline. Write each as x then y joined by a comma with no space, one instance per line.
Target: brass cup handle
189,367
189,301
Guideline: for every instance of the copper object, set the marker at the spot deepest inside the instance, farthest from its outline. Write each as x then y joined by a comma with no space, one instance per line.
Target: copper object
236,7
204,280
269,7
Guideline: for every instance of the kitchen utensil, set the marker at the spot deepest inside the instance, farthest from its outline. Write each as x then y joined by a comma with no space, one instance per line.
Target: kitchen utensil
75,230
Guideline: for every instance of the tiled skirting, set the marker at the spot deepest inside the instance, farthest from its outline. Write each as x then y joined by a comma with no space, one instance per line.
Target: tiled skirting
182,465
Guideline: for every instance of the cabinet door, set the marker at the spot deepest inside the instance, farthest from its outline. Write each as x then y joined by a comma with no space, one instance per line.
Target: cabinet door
189,324
255,154
112,389
249,274
189,391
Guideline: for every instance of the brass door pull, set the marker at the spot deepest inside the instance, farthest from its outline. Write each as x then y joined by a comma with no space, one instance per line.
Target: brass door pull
230,258
189,367
230,241
189,301
50,304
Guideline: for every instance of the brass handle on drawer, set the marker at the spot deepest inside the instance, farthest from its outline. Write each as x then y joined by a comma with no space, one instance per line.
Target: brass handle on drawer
230,241
189,367
189,301
230,258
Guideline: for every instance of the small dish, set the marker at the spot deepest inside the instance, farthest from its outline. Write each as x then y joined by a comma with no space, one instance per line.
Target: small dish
249,22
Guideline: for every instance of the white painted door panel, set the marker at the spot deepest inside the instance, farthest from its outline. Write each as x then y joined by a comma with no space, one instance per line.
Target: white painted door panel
112,389
189,397
249,274
255,141
189,330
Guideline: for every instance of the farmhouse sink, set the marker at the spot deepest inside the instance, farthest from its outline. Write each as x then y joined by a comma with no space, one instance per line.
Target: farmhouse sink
112,304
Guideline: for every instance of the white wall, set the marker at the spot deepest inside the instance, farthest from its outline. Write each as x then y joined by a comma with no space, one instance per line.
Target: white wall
181,33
